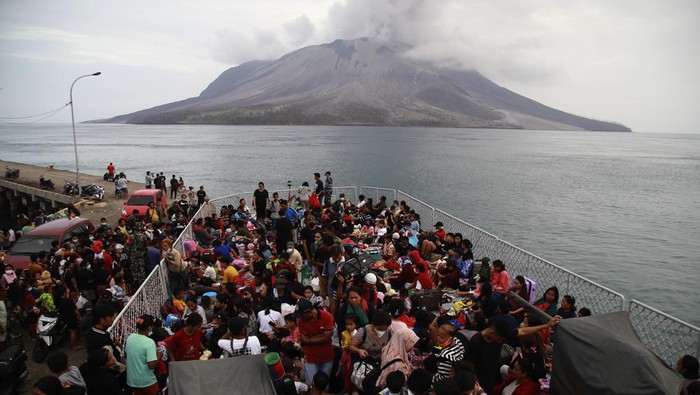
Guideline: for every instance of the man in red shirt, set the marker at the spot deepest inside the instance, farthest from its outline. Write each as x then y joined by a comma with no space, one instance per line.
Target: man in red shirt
110,170
315,330
186,344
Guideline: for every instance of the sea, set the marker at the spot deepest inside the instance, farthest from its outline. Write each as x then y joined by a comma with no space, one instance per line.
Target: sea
622,209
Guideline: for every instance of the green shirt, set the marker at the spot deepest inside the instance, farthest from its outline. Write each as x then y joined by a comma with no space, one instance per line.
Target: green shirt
140,350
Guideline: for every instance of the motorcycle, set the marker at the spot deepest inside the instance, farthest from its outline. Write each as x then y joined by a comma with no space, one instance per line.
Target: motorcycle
50,330
45,183
11,173
13,369
70,188
92,191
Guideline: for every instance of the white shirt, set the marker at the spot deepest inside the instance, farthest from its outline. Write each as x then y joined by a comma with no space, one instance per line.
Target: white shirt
266,319
210,273
199,310
252,348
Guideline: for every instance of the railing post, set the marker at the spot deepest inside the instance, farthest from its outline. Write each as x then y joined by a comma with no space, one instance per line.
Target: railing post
498,249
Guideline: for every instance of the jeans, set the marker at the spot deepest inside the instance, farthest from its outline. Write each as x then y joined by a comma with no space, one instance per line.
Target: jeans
313,368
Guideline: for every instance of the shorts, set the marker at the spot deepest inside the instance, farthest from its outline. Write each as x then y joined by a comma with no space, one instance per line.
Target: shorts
150,390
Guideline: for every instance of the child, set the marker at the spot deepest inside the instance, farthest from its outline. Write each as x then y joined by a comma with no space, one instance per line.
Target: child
179,301
118,290
69,376
309,294
161,371
352,322
394,383
320,383
290,323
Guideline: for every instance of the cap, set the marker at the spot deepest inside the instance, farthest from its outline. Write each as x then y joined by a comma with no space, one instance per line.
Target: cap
396,236
303,305
371,278
438,224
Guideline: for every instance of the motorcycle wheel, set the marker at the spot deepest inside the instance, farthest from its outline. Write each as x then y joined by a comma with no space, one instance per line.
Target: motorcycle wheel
40,351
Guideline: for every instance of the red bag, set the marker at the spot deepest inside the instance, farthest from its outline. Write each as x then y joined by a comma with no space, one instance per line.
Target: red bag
314,202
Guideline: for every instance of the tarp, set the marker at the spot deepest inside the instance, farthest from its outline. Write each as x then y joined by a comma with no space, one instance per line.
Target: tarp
246,374
603,355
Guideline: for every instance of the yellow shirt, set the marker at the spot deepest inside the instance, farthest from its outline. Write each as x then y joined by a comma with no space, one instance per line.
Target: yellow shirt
179,305
230,275
345,338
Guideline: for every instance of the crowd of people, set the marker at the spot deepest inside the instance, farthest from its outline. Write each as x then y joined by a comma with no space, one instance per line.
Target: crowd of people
290,276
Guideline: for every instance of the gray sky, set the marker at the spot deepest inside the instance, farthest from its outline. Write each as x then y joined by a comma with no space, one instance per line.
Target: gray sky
634,62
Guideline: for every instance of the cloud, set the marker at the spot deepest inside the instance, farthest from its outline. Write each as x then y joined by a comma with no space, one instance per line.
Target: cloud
299,30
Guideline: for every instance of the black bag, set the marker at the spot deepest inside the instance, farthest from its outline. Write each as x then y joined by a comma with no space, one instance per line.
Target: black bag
357,265
369,383
428,300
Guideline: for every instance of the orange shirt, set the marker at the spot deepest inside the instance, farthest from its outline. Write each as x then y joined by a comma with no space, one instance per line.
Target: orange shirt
230,275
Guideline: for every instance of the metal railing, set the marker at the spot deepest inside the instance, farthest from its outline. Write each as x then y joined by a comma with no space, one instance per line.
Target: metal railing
667,336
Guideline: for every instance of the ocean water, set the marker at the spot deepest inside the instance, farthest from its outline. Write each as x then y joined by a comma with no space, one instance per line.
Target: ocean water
622,209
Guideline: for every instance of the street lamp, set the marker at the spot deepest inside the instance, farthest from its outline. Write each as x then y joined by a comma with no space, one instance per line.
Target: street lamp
72,117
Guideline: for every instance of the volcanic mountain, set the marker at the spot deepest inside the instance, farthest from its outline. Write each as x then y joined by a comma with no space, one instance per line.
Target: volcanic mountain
359,82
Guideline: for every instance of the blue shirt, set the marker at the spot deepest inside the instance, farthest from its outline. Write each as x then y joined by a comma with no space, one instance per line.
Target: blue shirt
153,258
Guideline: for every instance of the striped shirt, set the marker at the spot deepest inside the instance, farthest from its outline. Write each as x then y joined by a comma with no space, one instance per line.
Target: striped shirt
446,358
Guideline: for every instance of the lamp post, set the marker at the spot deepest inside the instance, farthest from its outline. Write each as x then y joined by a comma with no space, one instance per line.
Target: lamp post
72,117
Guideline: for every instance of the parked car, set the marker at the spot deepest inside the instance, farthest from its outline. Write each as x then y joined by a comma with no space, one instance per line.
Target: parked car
140,199
40,239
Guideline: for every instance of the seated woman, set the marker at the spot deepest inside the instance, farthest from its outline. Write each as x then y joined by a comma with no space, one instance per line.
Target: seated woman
369,341
520,290
520,381
568,307
548,301
500,280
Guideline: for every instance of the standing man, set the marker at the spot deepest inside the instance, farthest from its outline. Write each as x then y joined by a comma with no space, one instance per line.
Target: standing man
274,207
142,358
110,170
315,331
261,199
174,183
319,186
201,195
149,179
328,189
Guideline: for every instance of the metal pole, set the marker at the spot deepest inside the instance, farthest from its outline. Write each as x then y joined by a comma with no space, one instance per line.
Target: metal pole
75,142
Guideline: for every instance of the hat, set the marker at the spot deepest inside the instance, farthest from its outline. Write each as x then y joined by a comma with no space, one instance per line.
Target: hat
371,278
439,224
303,305
396,236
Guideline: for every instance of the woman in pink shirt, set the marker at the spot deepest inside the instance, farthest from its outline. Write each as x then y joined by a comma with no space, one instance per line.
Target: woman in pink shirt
499,277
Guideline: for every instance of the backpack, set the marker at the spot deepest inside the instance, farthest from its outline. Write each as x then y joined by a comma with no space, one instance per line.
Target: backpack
237,353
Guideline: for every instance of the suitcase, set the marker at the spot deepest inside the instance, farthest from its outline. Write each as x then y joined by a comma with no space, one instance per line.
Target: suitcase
428,300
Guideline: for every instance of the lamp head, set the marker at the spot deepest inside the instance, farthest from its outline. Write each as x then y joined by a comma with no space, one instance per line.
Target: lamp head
97,73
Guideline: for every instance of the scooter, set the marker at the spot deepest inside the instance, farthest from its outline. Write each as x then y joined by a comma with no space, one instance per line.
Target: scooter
50,330
11,173
13,369
46,183
70,188
92,191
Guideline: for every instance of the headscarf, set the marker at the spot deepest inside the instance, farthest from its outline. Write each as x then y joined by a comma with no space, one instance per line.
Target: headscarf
398,347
